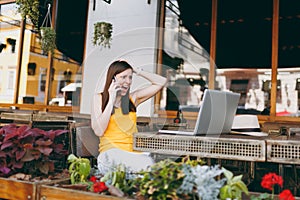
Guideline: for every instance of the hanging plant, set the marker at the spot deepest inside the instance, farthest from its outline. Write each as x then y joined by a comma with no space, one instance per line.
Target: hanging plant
48,39
29,9
48,34
102,34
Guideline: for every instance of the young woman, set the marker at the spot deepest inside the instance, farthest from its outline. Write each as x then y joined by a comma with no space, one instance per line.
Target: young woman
114,116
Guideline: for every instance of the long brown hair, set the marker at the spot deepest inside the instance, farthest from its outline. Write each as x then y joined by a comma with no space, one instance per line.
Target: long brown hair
115,68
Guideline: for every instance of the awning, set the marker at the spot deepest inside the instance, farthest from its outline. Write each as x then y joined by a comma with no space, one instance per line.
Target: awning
71,87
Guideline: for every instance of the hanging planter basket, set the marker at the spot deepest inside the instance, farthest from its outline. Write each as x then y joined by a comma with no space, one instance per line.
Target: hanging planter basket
102,34
48,39
48,34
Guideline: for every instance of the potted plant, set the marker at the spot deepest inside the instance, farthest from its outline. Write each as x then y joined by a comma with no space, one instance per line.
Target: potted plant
29,9
269,182
28,157
102,34
81,177
189,179
79,169
29,150
84,183
48,39
167,179
234,186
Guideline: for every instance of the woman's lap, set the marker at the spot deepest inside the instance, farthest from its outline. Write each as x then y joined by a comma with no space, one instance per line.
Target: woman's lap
132,161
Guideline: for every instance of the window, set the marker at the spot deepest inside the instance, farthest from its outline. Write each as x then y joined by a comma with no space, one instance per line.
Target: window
243,51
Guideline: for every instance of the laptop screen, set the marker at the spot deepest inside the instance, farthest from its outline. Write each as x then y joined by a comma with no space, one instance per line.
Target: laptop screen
217,112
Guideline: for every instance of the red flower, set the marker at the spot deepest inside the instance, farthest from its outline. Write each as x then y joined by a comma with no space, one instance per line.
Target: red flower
286,195
99,187
93,179
270,179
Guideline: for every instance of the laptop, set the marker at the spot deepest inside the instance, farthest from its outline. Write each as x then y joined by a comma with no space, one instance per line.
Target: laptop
215,116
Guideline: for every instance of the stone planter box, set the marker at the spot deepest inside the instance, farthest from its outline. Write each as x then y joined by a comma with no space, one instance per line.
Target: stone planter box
16,189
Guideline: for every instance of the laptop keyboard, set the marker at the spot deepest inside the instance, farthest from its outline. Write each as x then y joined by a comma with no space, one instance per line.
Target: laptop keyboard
175,132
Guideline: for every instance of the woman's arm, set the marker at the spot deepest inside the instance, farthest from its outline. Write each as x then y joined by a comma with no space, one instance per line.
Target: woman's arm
99,119
157,83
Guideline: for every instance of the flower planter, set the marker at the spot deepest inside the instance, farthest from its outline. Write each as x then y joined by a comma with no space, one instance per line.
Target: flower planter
16,189
102,34
54,192
256,194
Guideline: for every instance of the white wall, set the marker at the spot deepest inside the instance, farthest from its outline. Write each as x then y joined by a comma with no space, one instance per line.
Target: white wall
134,39
8,63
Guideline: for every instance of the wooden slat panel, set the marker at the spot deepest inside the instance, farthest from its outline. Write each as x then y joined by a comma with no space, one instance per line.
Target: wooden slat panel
67,109
12,189
54,193
7,1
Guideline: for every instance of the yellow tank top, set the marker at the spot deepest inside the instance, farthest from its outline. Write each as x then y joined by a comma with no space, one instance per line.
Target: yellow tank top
119,132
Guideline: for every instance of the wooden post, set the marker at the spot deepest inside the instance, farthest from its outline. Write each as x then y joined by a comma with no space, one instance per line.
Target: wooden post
20,58
275,25
212,52
161,26
50,61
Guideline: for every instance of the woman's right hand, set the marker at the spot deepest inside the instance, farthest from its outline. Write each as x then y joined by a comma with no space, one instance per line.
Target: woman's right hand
113,89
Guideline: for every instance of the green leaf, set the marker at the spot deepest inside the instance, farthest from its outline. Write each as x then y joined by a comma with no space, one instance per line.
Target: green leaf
242,186
84,169
71,167
237,178
225,192
228,174
72,178
72,158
